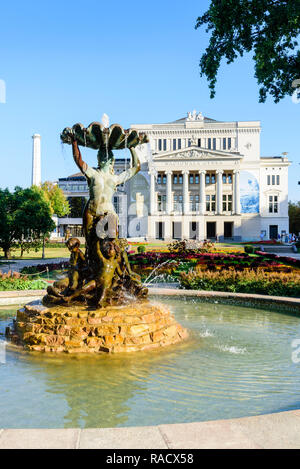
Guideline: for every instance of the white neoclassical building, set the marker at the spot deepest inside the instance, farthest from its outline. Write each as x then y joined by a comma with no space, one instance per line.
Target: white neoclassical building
206,180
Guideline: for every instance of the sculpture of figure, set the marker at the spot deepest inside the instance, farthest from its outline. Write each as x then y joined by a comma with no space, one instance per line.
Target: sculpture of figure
102,184
77,273
103,275
77,263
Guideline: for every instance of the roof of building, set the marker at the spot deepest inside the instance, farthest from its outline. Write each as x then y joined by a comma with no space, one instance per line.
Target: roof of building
183,119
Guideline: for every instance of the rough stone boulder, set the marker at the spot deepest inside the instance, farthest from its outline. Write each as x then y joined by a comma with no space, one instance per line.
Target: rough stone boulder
142,326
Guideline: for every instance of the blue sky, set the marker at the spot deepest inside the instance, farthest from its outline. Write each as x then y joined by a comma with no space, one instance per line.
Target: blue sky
70,61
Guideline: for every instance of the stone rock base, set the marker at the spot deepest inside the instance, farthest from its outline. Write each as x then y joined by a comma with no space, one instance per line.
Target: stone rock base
78,329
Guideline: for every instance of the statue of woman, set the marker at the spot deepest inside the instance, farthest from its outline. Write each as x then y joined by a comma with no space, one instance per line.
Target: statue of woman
102,184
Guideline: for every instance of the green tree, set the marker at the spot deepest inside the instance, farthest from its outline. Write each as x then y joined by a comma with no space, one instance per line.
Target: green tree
25,219
294,217
58,201
268,28
8,207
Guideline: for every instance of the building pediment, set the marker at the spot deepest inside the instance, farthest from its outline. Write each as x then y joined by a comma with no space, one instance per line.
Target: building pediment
196,153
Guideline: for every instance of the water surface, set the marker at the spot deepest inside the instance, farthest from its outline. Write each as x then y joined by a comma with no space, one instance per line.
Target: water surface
237,363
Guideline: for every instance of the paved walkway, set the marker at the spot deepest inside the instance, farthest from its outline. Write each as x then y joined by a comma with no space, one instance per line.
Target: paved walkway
281,430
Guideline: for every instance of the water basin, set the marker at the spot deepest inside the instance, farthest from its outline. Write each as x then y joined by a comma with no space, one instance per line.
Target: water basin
237,362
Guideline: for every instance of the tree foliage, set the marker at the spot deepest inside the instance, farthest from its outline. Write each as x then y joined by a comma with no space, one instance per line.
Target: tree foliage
268,28
58,202
8,207
25,219
294,217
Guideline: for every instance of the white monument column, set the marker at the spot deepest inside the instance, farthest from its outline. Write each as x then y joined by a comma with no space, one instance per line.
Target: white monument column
202,192
186,202
236,191
219,191
152,193
169,201
36,178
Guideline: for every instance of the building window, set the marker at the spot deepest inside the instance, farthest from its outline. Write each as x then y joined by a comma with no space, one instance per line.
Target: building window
165,144
210,178
161,202
227,203
180,179
175,179
194,202
159,144
179,144
191,179
174,143
273,204
196,178
199,142
227,178
209,143
178,199
229,144
159,179
275,180
116,204
224,143
210,203
214,143
164,179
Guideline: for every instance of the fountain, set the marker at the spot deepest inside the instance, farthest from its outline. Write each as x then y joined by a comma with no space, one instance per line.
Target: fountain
101,305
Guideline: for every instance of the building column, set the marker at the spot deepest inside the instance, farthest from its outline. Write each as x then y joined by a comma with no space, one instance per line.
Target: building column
236,192
169,198
186,201
152,193
219,191
202,191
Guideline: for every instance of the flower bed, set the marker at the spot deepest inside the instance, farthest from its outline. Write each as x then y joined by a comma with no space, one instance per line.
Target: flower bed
261,282
175,263
16,281
286,259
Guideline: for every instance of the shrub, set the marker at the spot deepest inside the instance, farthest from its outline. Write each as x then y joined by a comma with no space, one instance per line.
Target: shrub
274,283
21,284
33,269
141,249
249,249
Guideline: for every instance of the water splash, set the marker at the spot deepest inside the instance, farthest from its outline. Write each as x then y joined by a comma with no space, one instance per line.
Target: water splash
169,261
232,349
105,121
206,333
125,147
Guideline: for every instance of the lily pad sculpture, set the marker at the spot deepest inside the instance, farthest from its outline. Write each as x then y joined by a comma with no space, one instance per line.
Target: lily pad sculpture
104,139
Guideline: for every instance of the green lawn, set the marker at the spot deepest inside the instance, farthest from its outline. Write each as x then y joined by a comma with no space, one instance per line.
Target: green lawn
54,252
50,253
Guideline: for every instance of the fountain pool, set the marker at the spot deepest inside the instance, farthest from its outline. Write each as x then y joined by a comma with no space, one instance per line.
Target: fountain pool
237,362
